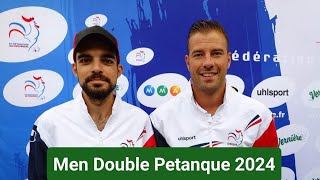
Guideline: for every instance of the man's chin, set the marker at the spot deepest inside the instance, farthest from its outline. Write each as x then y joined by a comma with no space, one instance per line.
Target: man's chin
209,88
98,91
97,95
97,84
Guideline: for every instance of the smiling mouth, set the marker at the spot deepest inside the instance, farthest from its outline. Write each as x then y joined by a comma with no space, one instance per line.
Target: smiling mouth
208,74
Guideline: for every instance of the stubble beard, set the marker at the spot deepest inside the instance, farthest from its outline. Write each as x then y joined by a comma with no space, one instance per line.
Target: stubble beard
97,94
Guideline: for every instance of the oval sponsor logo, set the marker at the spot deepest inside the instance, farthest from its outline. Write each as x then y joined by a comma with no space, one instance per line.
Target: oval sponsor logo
76,90
274,91
287,174
29,33
159,89
33,88
70,56
96,20
292,138
236,82
314,174
311,95
140,56
121,87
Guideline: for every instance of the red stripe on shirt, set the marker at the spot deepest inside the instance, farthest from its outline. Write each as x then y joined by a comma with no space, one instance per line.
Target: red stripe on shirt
269,138
151,142
255,123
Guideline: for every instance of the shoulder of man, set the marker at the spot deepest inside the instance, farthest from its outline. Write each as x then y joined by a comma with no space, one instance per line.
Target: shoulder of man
255,105
65,107
267,135
167,110
130,109
46,120
171,105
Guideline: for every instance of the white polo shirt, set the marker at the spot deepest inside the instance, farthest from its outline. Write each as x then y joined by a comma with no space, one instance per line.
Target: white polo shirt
239,122
70,125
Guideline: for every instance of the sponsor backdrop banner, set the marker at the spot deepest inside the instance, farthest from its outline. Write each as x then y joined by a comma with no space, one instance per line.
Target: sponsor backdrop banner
275,48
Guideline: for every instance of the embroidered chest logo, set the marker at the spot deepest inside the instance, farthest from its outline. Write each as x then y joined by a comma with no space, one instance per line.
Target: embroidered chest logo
129,142
236,138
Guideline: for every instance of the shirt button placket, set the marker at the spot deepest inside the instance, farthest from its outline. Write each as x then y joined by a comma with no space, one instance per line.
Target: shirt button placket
209,120
100,139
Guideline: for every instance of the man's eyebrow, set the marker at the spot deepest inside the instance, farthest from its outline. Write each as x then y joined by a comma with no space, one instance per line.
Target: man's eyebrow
217,49
84,56
196,51
108,55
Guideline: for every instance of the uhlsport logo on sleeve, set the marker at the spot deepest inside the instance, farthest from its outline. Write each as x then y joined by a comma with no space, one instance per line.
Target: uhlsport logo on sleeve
30,32
33,88
159,89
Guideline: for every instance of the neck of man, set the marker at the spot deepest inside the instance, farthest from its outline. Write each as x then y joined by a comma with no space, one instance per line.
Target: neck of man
210,101
99,110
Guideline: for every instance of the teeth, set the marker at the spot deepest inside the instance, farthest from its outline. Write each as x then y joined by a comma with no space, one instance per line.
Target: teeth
207,74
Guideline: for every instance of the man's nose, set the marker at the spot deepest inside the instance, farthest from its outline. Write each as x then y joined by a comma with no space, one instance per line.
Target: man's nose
96,67
208,62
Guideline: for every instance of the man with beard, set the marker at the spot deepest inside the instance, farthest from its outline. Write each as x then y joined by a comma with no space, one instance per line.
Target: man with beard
97,117
210,113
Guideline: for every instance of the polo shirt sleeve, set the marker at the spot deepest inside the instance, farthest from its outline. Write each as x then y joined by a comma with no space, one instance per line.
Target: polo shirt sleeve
268,132
269,137
156,125
149,139
38,146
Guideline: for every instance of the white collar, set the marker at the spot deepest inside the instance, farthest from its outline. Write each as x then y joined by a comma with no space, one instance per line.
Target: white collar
84,108
227,98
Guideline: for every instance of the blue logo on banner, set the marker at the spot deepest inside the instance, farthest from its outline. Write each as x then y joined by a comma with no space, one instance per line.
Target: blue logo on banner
148,90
